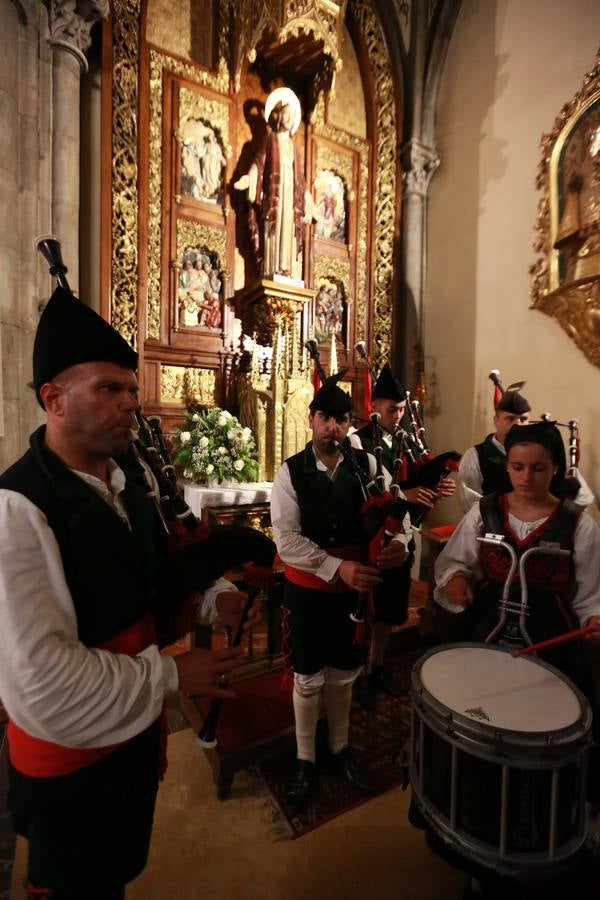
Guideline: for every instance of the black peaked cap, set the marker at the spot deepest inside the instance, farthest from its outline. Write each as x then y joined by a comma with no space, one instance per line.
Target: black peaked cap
331,399
387,387
69,333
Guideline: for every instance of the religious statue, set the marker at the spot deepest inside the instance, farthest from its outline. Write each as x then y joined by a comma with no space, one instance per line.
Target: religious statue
276,191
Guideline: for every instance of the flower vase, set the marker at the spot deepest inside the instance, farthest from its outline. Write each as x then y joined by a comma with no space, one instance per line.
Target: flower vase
227,483
212,481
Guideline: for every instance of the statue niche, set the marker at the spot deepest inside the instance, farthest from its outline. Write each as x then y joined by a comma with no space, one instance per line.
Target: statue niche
276,192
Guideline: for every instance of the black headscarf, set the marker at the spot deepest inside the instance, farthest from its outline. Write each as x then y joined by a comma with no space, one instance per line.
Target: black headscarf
548,435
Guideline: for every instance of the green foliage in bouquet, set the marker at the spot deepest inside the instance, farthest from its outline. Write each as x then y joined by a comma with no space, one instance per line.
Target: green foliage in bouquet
213,445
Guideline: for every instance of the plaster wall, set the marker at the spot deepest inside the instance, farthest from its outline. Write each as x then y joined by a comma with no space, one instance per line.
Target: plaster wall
510,68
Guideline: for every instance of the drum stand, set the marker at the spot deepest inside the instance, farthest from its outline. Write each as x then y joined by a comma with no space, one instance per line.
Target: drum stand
511,627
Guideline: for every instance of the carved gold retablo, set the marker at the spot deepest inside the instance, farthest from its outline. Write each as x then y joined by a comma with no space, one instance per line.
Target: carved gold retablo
270,305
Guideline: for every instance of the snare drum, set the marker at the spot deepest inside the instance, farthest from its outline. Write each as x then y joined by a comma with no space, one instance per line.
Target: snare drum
498,756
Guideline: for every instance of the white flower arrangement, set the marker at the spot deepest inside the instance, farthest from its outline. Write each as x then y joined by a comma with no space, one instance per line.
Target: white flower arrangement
213,445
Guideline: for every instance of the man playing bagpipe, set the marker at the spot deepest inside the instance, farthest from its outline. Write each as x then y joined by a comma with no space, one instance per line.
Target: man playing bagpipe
391,600
316,505
85,576
482,468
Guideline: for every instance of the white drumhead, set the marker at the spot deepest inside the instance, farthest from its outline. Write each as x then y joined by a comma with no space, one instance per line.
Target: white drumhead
500,690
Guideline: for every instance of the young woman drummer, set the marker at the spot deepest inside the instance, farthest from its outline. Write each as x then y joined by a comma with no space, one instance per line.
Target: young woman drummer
563,592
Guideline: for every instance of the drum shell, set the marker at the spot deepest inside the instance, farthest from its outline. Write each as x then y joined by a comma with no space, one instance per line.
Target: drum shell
460,745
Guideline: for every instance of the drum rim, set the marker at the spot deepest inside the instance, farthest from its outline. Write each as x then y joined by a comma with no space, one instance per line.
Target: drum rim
421,697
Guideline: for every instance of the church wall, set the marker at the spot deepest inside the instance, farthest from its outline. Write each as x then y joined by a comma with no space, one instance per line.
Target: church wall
510,68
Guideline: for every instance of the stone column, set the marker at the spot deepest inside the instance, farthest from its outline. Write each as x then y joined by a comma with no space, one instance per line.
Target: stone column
9,258
70,24
419,164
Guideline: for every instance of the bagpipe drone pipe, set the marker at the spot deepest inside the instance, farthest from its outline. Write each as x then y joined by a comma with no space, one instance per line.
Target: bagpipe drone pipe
198,554
382,517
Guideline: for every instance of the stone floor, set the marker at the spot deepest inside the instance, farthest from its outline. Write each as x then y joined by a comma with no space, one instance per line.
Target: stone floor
237,849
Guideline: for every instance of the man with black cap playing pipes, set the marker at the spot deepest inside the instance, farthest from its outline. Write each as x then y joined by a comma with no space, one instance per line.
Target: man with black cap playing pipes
83,569
391,602
315,506
482,468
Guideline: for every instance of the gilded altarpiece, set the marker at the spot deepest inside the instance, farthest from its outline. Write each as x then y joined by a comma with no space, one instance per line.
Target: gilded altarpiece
566,278
197,130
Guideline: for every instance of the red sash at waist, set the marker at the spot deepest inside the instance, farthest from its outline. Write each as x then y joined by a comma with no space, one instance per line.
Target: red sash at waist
41,759
354,552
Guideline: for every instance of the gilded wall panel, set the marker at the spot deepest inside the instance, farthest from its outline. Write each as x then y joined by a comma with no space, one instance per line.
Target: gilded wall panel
186,386
385,179
362,149
218,81
565,279
124,216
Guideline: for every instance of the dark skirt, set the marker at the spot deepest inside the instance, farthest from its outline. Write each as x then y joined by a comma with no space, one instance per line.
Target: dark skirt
321,632
90,830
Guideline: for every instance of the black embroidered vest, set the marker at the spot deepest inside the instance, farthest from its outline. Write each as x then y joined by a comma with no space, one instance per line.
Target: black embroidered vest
329,509
492,463
109,569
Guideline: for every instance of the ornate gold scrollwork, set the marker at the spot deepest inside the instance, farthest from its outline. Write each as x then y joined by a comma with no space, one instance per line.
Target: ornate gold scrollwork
191,235
565,279
185,386
124,220
328,266
330,158
385,179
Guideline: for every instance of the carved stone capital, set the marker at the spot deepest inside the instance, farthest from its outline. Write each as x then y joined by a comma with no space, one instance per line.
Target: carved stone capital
70,24
420,162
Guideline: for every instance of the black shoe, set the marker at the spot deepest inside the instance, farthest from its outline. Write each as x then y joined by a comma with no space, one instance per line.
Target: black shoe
345,764
365,693
300,784
382,680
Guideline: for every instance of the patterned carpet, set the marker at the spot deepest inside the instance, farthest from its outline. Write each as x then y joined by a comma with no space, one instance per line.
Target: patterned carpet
375,737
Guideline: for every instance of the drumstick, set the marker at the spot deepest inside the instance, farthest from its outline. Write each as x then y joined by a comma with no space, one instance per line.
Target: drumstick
560,639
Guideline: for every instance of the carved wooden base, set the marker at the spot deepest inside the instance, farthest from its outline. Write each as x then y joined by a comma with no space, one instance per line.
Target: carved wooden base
270,305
